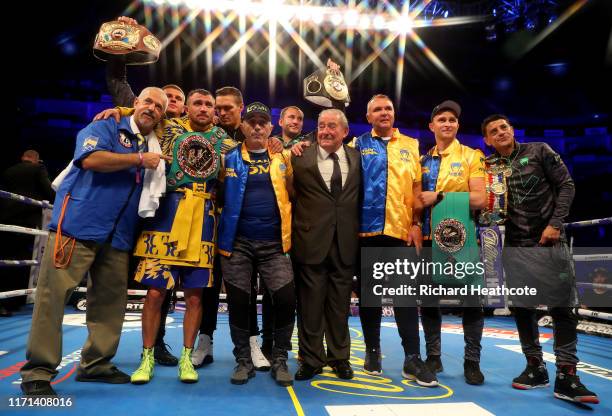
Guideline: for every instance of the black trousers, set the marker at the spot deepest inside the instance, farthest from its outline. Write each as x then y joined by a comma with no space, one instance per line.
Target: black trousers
324,297
210,302
407,318
473,324
210,307
472,320
275,269
564,330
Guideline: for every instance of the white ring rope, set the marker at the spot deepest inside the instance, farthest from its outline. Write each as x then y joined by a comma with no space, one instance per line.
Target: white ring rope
25,199
22,230
222,296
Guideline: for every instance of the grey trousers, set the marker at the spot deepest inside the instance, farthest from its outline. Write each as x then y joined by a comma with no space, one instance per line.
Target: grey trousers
106,300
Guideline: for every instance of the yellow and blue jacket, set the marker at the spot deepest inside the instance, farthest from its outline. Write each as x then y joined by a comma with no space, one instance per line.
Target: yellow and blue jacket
449,171
234,174
388,171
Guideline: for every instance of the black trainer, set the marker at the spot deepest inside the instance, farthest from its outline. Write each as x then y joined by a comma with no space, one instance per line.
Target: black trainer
266,349
373,362
434,363
533,376
38,388
163,356
472,373
568,387
114,376
415,369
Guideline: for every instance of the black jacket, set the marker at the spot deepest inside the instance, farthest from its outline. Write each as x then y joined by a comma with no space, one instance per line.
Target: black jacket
27,179
540,191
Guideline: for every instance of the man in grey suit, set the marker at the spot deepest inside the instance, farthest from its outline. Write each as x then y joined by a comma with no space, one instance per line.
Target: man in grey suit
327,181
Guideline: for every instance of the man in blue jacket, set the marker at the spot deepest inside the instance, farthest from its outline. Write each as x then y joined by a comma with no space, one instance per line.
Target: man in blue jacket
92,230
255,234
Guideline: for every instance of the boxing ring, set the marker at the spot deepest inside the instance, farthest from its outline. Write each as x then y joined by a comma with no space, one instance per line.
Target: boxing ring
385,395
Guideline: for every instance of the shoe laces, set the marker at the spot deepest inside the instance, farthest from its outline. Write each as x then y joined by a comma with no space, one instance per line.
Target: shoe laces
256,352
242,362
420,366
281,364
163,347
146,364
185,363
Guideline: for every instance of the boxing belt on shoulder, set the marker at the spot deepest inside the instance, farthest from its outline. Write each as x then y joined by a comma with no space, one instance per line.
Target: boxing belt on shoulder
454,241
195,158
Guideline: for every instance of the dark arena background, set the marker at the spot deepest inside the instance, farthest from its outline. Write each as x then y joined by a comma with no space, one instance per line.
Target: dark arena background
545,64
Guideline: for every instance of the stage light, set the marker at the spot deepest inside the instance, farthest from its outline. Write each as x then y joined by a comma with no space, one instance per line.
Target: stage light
194,4
336,19
351,18
364,22
289,27
491,32
379,22
401,25
557,68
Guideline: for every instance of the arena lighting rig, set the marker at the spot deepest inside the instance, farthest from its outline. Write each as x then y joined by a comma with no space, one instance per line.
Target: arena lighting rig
293,36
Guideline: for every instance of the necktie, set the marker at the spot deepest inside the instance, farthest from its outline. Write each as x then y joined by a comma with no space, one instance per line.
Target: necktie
336,178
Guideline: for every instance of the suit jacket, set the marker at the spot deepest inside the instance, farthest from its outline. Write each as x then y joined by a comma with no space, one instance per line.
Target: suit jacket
27,179
317,217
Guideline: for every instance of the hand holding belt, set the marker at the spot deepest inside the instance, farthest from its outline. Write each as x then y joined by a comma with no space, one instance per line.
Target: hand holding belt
188,222
497,195
134,42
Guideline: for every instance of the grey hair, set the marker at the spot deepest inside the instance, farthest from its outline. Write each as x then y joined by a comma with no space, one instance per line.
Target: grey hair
337,113
376,97
146,91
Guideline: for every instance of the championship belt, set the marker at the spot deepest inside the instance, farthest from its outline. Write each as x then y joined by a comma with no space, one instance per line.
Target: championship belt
496,209
325,86
195,158
491,257
135,43
454,241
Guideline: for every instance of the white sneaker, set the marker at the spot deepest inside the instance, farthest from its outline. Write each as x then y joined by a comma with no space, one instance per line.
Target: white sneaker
259,360
203,354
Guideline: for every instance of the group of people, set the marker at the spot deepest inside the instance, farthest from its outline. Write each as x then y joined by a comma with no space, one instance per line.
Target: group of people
288,210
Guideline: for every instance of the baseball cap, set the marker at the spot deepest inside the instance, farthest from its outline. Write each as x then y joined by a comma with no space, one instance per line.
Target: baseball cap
447,105
257,108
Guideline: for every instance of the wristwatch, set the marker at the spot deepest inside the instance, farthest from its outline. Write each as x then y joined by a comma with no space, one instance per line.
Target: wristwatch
440,197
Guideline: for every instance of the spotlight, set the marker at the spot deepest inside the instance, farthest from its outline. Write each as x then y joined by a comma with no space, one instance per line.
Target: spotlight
364,22
351,18
379,22
336,19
